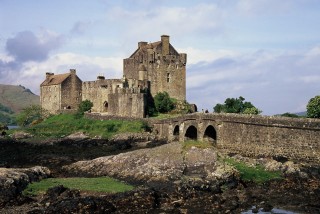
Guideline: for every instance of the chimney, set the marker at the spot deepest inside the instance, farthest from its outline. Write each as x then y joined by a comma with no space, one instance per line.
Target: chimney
141,44
165,45
73,71
49,74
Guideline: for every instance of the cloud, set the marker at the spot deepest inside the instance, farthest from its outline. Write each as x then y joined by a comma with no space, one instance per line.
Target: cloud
177,21
88,68
264,7
26,46
80,27
275,82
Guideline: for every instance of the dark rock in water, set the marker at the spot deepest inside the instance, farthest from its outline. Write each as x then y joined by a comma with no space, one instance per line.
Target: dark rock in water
266,207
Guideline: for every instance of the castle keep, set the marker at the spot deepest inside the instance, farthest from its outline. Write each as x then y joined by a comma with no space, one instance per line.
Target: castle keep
152,68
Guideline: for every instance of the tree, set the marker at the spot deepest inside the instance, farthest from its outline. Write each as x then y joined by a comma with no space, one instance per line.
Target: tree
252,110
236,105
84,106
313,107
288,114
163,102
32,114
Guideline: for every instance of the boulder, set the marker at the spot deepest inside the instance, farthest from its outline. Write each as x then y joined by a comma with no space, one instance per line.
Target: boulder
14,181
166,163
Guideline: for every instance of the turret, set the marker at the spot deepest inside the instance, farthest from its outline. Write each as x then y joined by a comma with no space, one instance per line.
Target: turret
142,72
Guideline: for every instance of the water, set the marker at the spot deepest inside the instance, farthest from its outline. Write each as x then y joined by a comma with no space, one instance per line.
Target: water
13,127
273,211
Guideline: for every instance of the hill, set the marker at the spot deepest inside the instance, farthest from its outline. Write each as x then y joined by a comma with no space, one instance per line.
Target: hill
12,100
17,98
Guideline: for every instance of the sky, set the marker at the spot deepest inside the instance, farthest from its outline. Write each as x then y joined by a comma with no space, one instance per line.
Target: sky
267,51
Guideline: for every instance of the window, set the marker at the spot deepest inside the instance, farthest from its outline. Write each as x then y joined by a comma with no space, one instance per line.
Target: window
168,77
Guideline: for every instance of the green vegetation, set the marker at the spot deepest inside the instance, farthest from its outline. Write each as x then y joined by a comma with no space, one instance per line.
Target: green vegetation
17,97
66,124
6,115
199,144
5,109
313,107
84,106
256,174
163,102
236,105
100,184
288,114
32,115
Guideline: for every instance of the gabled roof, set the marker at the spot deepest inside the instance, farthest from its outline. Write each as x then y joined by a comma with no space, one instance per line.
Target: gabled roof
55,79
153,46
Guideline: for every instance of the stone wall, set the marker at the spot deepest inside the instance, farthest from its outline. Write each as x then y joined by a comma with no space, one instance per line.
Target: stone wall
50,98
255,136
98,91
164,67
71,90
128,103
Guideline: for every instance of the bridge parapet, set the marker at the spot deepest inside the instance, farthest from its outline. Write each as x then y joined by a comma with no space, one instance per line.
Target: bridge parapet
250,135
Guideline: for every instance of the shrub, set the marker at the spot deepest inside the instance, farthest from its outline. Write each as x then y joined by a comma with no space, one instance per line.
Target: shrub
313,107
163,102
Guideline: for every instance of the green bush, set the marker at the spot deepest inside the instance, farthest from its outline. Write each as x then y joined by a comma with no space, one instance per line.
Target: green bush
236,105
163,102
84,106
313,107
30,114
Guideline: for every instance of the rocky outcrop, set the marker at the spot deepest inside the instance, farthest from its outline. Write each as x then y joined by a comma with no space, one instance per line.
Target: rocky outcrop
166,163
13,181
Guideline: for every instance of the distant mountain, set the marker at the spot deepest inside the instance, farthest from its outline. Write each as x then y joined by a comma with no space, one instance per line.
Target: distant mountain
304,113
16,98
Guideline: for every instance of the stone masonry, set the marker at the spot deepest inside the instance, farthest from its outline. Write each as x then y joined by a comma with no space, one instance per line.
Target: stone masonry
152,68
249,135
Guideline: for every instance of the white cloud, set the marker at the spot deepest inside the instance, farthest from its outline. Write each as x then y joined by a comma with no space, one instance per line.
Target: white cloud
274,81
263,7
33,73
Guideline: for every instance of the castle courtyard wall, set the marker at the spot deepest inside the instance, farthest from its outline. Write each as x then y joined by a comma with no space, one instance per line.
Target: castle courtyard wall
127,103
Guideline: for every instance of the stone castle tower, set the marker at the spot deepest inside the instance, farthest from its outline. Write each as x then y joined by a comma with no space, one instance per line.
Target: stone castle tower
160,64
154,67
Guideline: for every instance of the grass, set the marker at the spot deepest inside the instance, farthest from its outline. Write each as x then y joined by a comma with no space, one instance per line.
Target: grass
256,174
66,124
99,184
165,116
199,144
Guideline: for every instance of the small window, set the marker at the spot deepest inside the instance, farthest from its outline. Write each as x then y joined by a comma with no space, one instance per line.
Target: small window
168,77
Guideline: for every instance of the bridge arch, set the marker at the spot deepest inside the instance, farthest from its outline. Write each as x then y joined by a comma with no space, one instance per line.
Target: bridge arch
210,134
176,132
191,133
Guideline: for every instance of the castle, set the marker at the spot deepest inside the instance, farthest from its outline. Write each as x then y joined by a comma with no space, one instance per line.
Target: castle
152,68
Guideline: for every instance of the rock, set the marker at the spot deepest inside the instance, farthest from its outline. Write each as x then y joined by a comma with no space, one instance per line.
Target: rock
13,181
77,136
273,165
21,135
166,163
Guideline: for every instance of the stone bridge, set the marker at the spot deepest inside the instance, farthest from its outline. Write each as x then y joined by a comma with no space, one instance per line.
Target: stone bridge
249,135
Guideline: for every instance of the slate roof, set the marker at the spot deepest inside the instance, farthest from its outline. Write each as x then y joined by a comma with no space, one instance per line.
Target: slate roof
55,79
